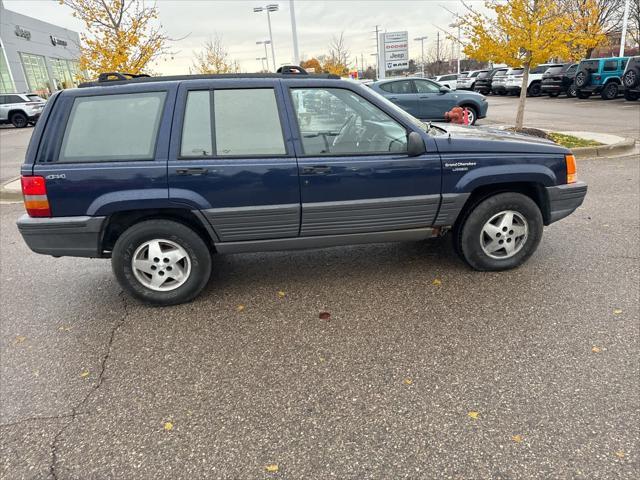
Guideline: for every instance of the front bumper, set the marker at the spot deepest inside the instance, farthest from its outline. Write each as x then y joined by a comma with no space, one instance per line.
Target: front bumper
564,199
63,236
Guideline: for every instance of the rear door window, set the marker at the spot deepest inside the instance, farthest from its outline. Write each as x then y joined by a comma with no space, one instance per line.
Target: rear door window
399,87
610,66
105,128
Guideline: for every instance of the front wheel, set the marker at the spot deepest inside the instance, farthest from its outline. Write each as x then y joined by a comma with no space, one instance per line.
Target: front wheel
610,91
499,233
571,91
161,262
535,90
19,120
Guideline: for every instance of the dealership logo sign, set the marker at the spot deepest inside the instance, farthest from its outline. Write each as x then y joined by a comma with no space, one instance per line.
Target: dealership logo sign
396,50
21,32
57,41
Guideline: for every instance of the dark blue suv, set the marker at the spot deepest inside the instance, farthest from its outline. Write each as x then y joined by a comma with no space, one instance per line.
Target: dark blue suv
159,174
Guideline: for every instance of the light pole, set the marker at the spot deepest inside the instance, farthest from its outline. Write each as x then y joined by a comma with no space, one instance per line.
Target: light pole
457,25
265,43
272,7
294,32
421,40
262,60
625,18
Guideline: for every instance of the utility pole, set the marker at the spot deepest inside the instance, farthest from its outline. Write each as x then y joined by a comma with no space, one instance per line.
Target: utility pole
438,52
625,19
378,53
296,55
362,62
421,40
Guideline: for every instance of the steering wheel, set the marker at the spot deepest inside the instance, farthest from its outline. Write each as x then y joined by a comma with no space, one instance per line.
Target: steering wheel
346,128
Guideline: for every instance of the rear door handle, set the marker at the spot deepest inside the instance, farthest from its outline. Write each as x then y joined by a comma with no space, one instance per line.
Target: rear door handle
191,171
316,169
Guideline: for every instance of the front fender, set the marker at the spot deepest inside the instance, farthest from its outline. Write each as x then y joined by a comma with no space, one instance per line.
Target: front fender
490,175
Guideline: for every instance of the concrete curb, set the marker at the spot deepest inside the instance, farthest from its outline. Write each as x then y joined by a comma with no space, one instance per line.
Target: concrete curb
625,146
8,192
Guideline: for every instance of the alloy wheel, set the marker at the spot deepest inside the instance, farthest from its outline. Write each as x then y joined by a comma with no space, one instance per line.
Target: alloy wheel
161,265
504,234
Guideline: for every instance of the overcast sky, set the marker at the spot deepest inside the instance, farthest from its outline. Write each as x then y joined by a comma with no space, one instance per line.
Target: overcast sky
239,27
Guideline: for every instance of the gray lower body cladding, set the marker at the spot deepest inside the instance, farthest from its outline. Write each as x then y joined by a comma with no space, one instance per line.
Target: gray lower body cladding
564,199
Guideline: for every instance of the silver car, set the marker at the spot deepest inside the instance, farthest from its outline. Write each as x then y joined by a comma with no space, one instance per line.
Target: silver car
20,109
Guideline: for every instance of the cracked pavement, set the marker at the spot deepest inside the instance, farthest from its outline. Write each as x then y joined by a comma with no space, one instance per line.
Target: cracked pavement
547,355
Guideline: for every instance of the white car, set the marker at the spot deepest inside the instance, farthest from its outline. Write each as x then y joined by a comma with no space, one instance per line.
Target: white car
20,109
513,82
450,81
469,81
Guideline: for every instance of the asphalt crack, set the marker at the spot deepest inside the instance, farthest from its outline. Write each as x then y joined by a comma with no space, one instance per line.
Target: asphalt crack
75,411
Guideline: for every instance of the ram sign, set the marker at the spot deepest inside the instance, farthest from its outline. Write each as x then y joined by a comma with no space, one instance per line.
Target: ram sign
395,46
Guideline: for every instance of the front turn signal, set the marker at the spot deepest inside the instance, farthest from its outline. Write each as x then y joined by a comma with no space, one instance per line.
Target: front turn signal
571,168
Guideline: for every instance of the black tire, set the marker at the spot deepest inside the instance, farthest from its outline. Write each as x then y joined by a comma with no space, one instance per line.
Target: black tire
467,236
631,78
534,90
135,236
572,91
19,120
610,91
502,92
631,96
582,95
554,94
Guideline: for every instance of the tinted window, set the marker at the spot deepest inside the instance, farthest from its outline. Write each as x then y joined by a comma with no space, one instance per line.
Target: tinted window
449,77
35,98
246,122
483,74
474,74
196,129
516,71
423,86
14,99
3,99
112,127
554,70
610,66
572,68
338,121
400,87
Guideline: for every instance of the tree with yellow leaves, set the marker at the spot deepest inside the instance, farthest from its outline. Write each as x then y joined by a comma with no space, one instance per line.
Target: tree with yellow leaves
526,33
214,59
122,35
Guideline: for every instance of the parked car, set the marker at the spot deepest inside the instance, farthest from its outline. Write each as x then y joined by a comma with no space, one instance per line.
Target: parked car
484,80
560,79
138,171
428,100
631,79
498,82
20,109
534,82
468,82
600,75
450,81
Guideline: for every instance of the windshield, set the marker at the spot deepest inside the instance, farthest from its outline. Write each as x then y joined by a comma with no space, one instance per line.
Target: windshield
515,71
554,70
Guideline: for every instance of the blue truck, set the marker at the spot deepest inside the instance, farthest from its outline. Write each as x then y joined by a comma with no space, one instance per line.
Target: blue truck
161,173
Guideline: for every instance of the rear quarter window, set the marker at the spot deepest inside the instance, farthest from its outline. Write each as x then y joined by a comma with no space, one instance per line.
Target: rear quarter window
105,128
610,66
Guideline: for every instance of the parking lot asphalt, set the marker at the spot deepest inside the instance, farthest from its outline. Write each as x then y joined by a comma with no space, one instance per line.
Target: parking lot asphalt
424,369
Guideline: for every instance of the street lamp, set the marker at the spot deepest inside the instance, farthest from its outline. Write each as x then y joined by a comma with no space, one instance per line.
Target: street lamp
457,25
272,7
421,40
265,43
262,60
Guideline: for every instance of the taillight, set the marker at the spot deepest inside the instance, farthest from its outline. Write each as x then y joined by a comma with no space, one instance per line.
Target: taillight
34,191
571,168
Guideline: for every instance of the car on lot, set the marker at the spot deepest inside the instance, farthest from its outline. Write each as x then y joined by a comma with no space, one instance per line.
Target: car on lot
560,79
427,100
631,79
20,109
450,81
600,75
498,82
159,174
468,82
515,76
485,79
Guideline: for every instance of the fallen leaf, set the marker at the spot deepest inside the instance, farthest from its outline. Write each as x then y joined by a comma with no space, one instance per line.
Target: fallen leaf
617,311
408,381
474,414
322,359
620,454
517,438
19,339
271,468
595,349
324,315
84,373
64,328
240,308
281,294
437,282
168,426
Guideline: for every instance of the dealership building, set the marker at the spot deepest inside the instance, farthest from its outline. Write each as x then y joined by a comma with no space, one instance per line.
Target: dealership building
36,56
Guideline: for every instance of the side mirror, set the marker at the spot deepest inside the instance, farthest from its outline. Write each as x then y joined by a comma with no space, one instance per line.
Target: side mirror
444,89
415,144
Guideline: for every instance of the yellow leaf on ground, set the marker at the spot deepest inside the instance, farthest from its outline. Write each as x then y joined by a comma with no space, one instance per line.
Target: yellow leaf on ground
19,339
408,381
595,349
84,373
517,438
168,426
617,311
281,294
474,414
240,308
437,282
64,328
272,468
620,454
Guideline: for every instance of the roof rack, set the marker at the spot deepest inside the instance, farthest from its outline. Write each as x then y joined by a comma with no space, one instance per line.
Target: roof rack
118,78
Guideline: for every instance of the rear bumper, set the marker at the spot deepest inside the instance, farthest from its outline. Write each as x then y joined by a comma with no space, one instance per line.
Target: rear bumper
591,88
551,87
512,88
63,236
564,199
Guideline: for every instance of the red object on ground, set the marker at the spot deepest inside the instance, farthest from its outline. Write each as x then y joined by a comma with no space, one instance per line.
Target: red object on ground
456,115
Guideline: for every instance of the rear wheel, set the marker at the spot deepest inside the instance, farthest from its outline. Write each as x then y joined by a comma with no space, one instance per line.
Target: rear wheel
571,91
631,95
535,90
19,120
499,233
161,262
610,91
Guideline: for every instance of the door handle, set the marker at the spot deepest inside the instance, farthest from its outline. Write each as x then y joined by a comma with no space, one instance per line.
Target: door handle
316,169
392,98
191,171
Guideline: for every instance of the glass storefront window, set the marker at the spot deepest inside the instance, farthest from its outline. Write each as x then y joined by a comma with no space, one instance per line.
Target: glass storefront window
64,73
6,84
35,70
